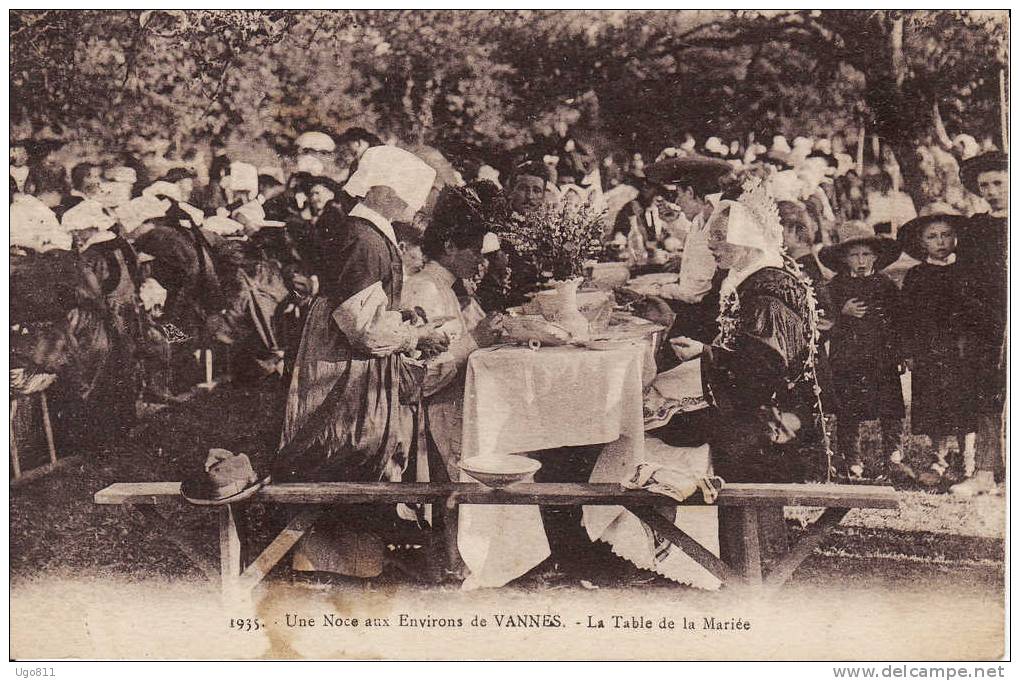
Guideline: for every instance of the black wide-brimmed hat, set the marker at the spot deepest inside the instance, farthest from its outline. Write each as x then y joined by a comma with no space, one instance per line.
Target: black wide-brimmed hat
856,234
972,167
909,235
700,172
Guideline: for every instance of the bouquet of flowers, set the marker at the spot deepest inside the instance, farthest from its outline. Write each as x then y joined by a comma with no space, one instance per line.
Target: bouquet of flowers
550,243
555,241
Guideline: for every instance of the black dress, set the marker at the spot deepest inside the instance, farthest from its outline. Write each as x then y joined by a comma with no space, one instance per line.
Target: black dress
864,353
982,251
760,361
348,413
941,320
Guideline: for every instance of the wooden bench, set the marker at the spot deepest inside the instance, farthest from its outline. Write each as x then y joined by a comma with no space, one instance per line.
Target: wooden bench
746,512
19,474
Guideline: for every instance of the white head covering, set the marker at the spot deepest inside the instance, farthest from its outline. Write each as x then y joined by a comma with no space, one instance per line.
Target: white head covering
803,143
315,141
389,166
968,145
222,225
780,145
163,188
716,146
489,173
490,243
786,185
35,226
86,215
753,219
243,177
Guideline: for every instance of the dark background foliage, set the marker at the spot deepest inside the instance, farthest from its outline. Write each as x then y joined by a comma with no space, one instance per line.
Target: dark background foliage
626,81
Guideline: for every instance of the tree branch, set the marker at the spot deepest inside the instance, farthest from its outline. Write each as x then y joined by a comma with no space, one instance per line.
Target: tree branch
219,86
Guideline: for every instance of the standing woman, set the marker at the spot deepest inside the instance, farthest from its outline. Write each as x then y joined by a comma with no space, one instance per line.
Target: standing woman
759,372
348,413
344,419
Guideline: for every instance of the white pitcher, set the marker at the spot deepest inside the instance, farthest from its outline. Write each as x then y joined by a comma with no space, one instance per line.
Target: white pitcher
559,306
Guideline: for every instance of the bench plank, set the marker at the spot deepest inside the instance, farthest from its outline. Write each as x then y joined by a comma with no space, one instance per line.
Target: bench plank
548,494
152,493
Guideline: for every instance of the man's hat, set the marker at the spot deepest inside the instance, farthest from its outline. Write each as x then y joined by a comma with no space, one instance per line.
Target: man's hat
909,234
856,233
226,478
972,167
700,172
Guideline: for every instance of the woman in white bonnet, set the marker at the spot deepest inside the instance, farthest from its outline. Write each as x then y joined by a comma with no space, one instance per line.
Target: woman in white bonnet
759,372
349,414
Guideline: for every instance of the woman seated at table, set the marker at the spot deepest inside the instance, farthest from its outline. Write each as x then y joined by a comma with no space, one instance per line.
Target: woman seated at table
454,245
759,372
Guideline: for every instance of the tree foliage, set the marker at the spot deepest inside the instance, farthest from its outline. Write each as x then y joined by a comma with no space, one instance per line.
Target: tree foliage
634,80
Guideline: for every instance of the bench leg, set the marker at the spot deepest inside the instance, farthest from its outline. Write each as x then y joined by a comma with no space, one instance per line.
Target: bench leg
665,527
15,460
199,558
48,427
788,564
739,543
278,548
773,537
230,550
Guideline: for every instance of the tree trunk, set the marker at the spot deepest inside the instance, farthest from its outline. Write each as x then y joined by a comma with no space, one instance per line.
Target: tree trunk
896,122
898,62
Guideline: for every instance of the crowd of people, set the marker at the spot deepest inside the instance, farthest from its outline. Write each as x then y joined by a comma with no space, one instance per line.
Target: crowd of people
354,274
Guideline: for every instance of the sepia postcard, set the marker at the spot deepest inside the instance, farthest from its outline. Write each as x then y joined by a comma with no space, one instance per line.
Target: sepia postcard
509,335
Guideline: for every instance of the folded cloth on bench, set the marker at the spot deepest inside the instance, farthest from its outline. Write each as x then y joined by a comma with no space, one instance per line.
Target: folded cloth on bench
677,484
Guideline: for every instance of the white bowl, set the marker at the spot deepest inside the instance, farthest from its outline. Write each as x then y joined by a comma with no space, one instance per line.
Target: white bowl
500,470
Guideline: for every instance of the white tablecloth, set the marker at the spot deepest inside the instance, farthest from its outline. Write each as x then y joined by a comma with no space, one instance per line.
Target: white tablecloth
520,400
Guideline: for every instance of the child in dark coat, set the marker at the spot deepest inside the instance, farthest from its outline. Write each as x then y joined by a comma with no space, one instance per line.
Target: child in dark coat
942,319
864,351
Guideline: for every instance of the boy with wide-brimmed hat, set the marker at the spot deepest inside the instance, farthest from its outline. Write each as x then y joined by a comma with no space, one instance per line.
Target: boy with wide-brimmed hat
864,350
